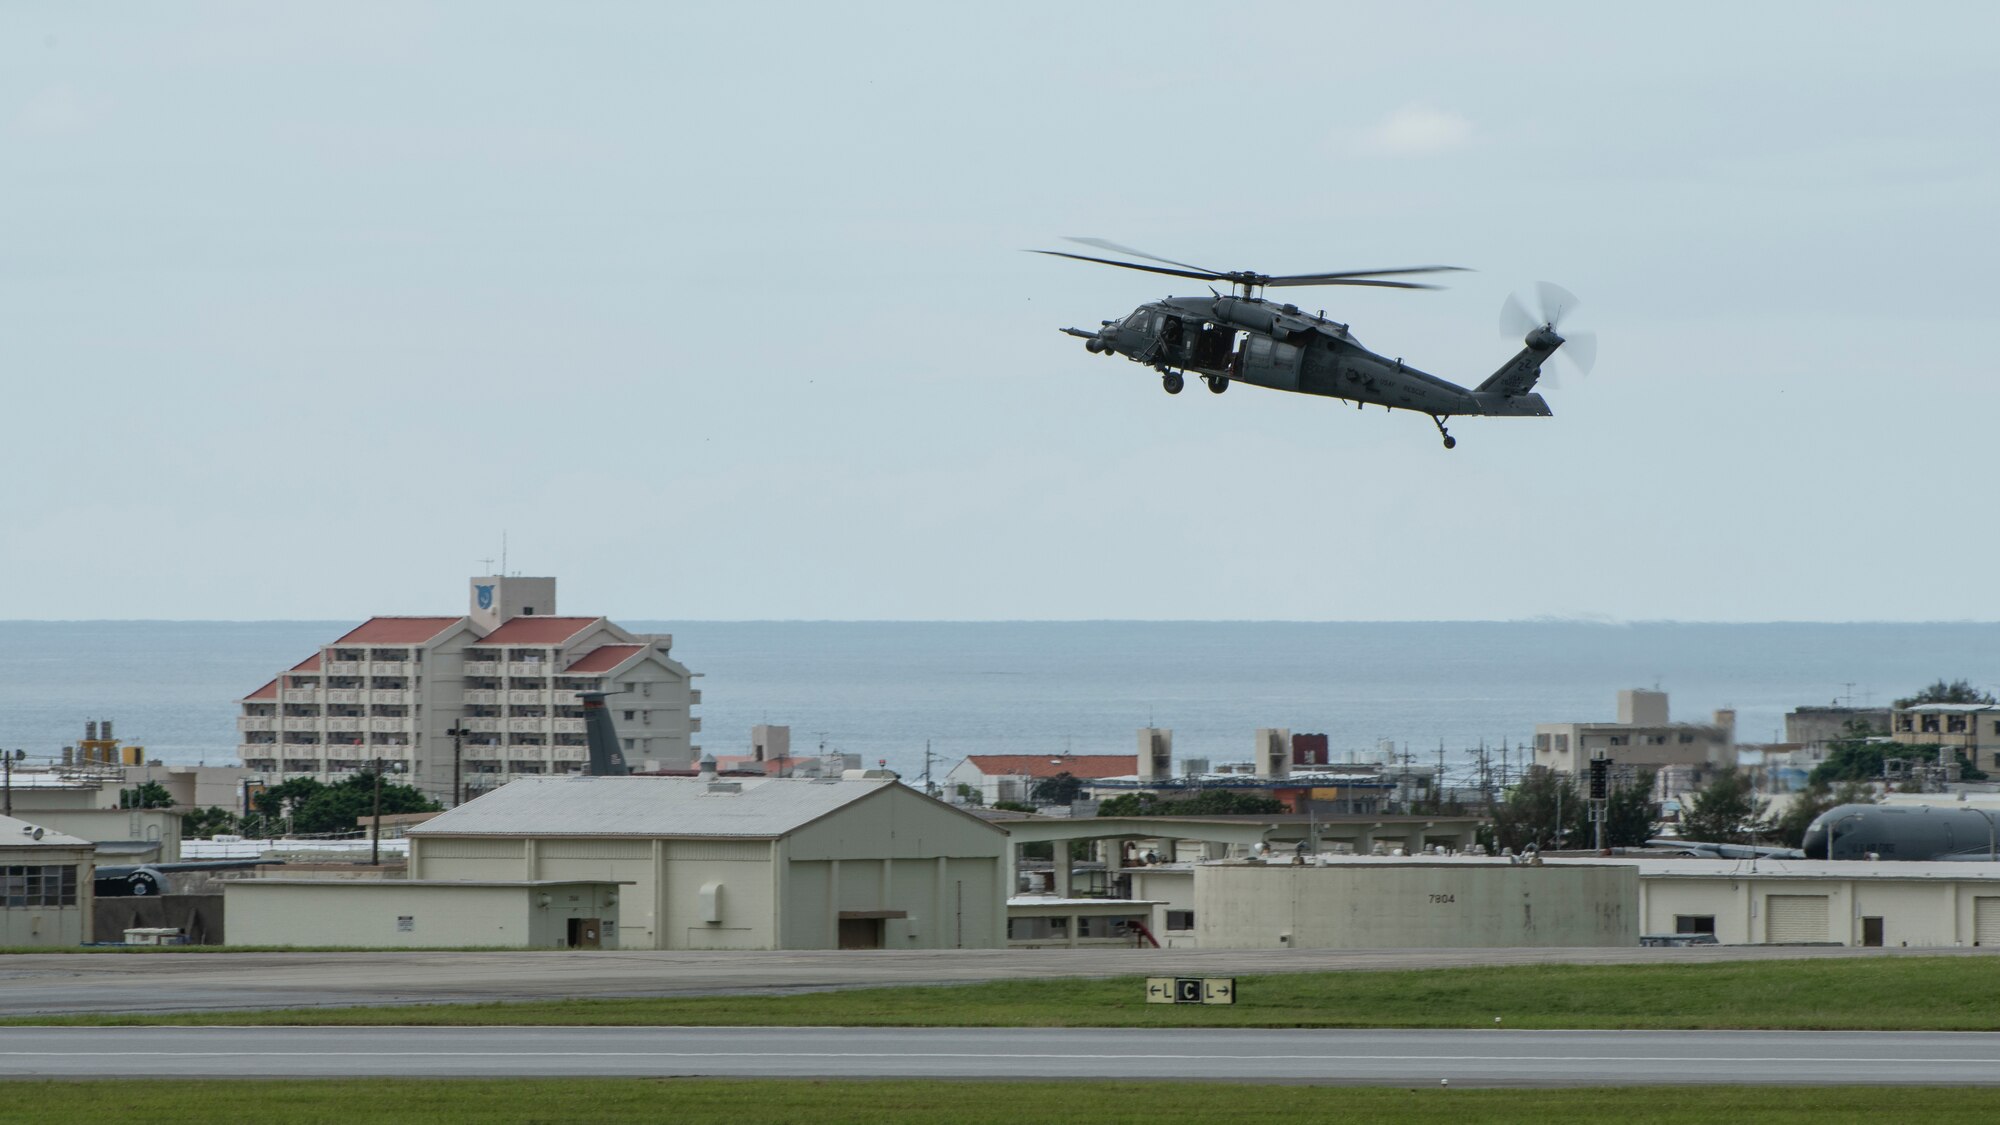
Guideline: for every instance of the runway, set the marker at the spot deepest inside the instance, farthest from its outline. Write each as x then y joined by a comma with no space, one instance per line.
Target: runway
61,983
1472,1058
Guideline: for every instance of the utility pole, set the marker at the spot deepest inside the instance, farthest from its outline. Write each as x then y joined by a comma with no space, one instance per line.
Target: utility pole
457,734
375,839
7,759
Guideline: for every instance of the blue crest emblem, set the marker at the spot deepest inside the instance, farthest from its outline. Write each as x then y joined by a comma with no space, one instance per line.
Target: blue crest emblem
484,595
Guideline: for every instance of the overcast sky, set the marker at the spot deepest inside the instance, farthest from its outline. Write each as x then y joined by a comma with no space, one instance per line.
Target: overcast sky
721,312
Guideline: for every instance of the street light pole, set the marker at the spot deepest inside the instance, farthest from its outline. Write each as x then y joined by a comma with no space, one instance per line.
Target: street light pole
1992,839
1835,823
457,733
375,837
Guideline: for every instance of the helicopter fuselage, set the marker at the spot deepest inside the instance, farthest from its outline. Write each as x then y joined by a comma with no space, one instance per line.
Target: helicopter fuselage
1239,339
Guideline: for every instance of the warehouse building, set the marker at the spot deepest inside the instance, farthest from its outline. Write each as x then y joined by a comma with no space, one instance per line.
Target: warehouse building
1416,903
406,913
858,862
1843,902
44,885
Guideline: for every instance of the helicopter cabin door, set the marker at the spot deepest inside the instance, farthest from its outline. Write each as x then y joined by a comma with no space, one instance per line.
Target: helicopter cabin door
1271,363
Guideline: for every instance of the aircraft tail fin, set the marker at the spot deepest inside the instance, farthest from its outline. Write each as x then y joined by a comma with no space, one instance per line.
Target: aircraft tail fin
1518,375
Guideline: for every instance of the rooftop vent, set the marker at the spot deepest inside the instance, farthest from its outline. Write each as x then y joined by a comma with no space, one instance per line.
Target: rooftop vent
725,787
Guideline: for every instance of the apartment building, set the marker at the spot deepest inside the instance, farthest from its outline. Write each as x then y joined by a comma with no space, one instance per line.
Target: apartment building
1971,729
1642,737
476,700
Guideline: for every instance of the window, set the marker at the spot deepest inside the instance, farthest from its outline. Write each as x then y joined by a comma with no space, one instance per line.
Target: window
1620,739
1955,724
1180,919
1930,725
1694,923
630,715
38,885
1686,738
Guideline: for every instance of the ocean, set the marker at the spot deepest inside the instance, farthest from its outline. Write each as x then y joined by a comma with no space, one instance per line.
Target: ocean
884,689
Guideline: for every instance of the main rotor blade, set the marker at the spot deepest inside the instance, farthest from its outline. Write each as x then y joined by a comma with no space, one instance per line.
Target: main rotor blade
1325,278
1107,244
1557,302
1321,279
1132,265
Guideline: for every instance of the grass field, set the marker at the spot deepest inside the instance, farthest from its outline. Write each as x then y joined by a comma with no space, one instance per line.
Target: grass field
1940,994
693,1101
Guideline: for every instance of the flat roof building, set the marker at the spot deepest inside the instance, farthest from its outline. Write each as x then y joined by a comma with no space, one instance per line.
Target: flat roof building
1643,737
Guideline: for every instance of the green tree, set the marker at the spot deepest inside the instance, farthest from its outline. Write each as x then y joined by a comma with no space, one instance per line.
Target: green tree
314,809
1208,802
202,824
1061,789
1789,829
1859,753
151,795
1957,691
1013,806
1543,809
1631,815
1727,810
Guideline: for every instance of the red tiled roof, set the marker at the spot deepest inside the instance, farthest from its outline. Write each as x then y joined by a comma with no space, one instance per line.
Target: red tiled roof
1085,766
268,691
309,664
538,630
604,658
398,630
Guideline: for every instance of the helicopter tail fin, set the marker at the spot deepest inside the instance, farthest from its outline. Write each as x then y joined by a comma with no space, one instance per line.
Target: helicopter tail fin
1518,375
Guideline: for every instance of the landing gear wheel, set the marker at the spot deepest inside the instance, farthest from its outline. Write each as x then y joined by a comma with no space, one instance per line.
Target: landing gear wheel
1449,441
1217,383
1173,382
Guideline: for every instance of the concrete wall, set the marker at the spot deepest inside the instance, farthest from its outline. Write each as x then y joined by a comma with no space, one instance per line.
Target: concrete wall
340,912
200,917
1914,912
1456,904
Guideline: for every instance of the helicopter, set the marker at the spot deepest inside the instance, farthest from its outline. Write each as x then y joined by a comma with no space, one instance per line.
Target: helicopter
1245,338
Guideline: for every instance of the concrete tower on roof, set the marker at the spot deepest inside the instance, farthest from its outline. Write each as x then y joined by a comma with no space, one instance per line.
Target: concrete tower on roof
505,675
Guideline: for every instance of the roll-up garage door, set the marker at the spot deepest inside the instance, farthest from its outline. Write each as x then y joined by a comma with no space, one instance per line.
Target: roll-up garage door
1791,918
1986,921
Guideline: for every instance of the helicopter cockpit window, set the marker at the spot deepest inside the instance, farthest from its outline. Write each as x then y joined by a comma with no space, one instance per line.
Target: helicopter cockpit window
1137,319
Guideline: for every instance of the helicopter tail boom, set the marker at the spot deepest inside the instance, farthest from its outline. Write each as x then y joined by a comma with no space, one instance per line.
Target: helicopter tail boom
1518,375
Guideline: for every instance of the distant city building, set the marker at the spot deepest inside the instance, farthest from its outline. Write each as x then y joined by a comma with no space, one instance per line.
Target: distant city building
1013,777
1643,737
1972,729
1817,726
506,675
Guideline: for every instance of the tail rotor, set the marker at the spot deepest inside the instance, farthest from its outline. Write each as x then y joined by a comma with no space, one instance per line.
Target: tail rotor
1554,304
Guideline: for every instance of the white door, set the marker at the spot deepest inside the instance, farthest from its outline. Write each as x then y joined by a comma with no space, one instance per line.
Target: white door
1795,918
1986,921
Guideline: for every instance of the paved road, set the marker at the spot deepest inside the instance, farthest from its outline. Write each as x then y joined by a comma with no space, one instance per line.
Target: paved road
1562,1058
53,983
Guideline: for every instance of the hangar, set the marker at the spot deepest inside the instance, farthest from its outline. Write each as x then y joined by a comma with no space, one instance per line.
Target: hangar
857,862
